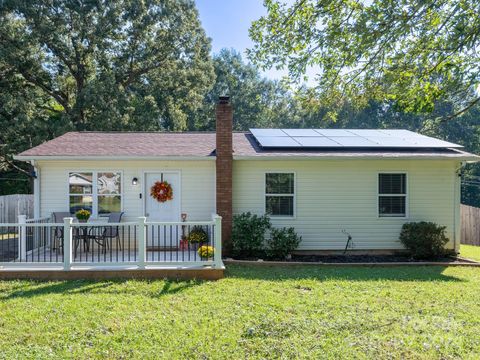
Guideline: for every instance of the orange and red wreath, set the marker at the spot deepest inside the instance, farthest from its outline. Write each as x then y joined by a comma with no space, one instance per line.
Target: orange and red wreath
161,191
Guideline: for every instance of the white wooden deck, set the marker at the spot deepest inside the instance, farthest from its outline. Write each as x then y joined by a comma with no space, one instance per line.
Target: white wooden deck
138,247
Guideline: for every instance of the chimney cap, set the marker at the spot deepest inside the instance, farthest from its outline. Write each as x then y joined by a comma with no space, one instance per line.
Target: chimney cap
224,99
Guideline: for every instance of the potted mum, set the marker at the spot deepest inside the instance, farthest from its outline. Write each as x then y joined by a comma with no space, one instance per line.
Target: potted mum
197,237
206,252
83,215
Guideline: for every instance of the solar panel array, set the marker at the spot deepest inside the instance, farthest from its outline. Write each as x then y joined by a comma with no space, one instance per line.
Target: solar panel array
346,138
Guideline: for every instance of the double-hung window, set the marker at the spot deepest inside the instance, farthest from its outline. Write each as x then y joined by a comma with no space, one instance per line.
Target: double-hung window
280,194
392,195
99,192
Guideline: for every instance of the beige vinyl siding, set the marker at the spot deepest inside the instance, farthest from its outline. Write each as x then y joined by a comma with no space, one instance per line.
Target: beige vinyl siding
197,184
336,195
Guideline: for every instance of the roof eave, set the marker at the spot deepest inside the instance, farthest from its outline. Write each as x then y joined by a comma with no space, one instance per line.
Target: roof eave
469,159
113,157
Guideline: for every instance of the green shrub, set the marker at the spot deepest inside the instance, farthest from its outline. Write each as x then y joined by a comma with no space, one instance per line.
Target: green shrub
424,240
248,235
282,242
198,235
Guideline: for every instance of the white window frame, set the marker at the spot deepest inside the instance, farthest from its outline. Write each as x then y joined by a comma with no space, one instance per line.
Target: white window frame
387,216
95,188
294,195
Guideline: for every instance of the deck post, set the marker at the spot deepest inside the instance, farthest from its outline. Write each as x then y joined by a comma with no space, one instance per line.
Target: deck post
142,230
22,238
67,243
217,254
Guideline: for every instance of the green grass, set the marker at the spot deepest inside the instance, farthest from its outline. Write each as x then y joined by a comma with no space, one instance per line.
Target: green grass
470,252
255,312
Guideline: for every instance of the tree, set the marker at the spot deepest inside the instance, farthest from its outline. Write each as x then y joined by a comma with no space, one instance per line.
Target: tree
110,65
25,120
257,101
97,65
414,54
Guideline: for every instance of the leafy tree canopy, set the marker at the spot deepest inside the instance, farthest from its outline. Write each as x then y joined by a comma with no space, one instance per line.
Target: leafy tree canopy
408,52
257,101
108,65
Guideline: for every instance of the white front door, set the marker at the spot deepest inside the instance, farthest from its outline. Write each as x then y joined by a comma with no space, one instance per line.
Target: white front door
168,211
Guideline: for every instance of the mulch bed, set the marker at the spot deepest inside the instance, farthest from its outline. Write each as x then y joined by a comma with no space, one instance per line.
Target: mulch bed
356,259
364,259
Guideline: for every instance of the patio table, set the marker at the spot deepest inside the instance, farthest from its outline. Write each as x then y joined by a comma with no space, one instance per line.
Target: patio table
82,232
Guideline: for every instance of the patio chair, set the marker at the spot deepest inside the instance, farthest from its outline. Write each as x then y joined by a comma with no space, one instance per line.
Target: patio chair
109,233
58,235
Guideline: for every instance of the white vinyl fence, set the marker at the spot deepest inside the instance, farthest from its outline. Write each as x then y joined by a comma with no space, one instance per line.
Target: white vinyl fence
13,205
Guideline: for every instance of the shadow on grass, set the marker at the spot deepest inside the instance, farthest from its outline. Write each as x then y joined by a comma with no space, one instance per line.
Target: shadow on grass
332,273
111,287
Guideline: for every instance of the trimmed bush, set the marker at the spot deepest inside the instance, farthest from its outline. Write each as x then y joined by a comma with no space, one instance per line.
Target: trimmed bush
248,235
424,240
282,242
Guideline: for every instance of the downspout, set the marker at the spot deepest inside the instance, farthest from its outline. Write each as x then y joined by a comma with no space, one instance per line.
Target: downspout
36,190
456,208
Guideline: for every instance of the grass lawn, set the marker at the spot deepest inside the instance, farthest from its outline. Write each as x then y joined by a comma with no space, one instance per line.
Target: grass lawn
256,312
470,252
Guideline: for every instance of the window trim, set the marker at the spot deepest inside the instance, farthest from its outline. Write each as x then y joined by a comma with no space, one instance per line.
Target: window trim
294,195
95,214
406,195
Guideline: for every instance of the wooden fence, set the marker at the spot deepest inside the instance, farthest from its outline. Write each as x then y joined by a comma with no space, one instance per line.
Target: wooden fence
470,225
13,205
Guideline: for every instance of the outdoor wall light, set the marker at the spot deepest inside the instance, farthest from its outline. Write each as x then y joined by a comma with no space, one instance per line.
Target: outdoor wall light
134,181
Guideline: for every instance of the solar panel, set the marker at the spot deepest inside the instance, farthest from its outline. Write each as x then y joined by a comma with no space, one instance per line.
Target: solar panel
346,138
391,142
353,141
280,141
367,133
316,141
334,132
301,132
268,132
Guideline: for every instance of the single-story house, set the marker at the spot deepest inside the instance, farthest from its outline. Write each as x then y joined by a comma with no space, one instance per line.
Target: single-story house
323,182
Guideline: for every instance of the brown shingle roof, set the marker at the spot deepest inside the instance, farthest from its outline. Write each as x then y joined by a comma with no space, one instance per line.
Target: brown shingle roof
202,145
137,144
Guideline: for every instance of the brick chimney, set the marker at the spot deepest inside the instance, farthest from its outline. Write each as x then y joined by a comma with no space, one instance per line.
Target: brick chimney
224,153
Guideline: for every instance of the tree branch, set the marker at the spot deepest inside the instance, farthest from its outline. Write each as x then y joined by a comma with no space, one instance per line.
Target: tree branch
460,112
61,98
16,167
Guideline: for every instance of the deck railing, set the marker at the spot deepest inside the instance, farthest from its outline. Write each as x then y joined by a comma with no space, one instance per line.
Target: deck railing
27,241
135,243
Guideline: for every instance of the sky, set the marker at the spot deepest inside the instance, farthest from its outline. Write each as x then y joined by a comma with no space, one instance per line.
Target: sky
227,22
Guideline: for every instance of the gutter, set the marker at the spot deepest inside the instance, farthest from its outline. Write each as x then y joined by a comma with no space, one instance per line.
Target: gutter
468,159
120,158
36,190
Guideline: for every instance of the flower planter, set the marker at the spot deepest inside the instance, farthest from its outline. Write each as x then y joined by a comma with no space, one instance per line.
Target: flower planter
193,246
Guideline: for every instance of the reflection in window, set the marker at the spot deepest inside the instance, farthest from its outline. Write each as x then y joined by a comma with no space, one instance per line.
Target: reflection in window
109,190
108,183
279,194
80,191
103,199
